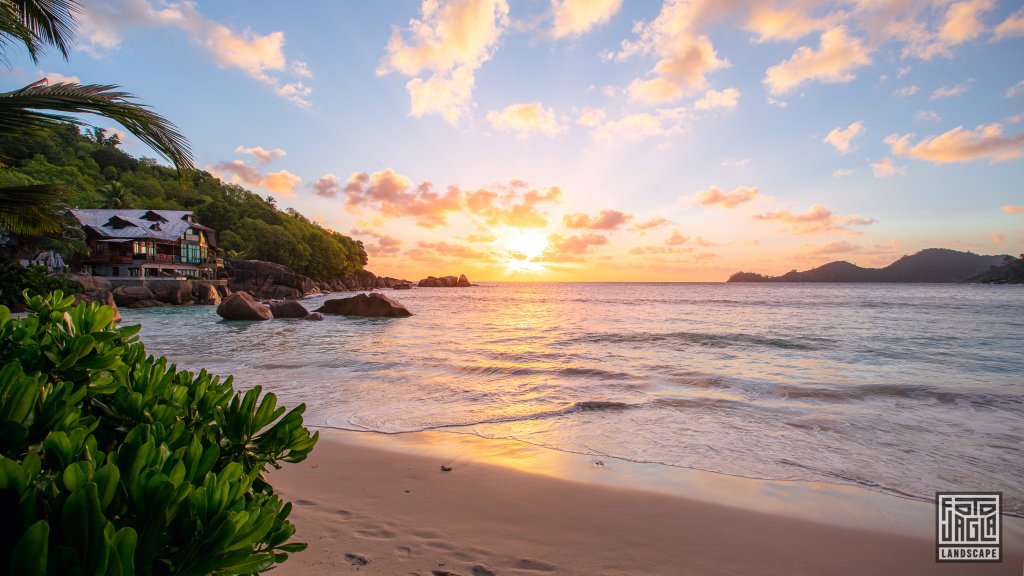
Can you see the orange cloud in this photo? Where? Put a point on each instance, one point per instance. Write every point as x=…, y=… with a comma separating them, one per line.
x=282, y=182
x=714, y=196
x=838, y=54
x=649, y=224
x=567, y=249
x=385, y=245
x=788, y=23
x=676, y=239
x=640, y=126
x=960, y=145
x=997, y=238
x=525, y=120
x=450, y=42
x=434, y=250
x=963, y=22
x=591, y=117
x=817, y=220
x=1012, y=27
x=605, y=220
x=395, y=196
x=840, y=138
x=1011, y=209
x=576, y=17
x=885, y=168
x=327, y=186
x=951, y=91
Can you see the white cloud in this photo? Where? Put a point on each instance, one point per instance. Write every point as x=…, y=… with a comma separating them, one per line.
x=927, y=116
x=842, y=173
x=591, y=117
x=643, y=125
x=960, y=145
x=951, y=91
x=1015, y=90
x=525, y=119
x=840, y=137
x=262, y=154
x=885, y=168
x=838, y=54
x=576, y=17
x=727, y=99
x=907, y=91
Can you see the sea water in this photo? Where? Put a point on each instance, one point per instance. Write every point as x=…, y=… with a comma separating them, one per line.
x=900, y=388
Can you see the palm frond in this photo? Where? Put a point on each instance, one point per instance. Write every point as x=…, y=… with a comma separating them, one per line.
x=37, y=24
x=31, y=210
x=23, y=109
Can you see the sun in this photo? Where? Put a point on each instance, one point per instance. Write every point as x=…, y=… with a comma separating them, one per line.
x=523, y=246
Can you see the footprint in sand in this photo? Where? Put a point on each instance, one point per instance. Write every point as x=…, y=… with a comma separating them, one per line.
x=376, y=533
x=301, y=502
x=535, y=565
x=404, y=551
x=357, y=559
x=481, y=570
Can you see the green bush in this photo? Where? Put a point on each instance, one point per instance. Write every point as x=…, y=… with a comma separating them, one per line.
x=113, y=462
x=15, y=278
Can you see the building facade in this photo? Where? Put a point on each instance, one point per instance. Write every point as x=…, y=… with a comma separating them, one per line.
x=128, y=243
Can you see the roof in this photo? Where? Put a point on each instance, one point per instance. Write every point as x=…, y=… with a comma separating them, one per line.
x=167, y=225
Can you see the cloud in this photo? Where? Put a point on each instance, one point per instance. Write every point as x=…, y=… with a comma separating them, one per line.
x=263, y=155
x=260, y=56
x=1012, y=27
x=57, y=77
x=840, y=138
x=963, y=21
x=643, y=125
x=328, y=186
x=395, y=196
x=838, y=54
x=772, y=23
x=525, y=120
x=481, y=238
x=567, y=249
x=1011, y=209
x=835, y=247
x=446, y=46
x=676, y=239
x=735, y=162
x=605, y=220
x=727, y=99
x=385, y=245
x=997, y=238
x=576, y=17
x=1015, y=90
x=301, y=69
x=281, y=182
x=927, y=116
x=649, y=224
x=951, y=91
x=432, y=250
x=885, y=168
x=817, y=220
x=591, y=117
x=960, y=145
x=842, y=173
x=907, y=91
x=714, y=196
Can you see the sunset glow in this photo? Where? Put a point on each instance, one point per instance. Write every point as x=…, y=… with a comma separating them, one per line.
x=565, y=140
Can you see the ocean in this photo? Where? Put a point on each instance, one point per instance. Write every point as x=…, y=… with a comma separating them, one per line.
x=899, y=388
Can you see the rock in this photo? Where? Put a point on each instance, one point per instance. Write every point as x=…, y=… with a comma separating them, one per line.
x=326, y=287
x=92, y=282
x=463, y=281
x=373, y=305
x=313, y=316
x=403, y=286
x=242, y=306
x=176, y=292
x=445, y=282
x=205, y=293
x=100, y=296
x=288, y=309
x=133, y=296
x=268, y=280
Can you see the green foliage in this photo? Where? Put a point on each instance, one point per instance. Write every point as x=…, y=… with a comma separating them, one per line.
x=15, y=279
x=88, y=164
x=113, y=462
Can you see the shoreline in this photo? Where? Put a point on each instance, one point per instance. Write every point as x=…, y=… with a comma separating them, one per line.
x=508, y=507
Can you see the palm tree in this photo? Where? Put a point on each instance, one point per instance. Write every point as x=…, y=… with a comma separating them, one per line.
x=37, y=24
x=116, y=195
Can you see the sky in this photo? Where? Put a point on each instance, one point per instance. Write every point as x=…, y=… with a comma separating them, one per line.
x=592, y=140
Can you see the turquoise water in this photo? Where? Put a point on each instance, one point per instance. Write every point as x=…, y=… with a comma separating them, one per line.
x=906, y=389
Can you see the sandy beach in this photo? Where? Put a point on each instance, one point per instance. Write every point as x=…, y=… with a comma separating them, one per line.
x=373, y=505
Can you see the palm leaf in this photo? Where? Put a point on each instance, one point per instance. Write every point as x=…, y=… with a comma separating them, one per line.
x=37, y=24
x=23, y=109
x=31, y=210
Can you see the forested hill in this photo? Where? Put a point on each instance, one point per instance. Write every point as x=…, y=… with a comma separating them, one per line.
x=247, y=225
x=929, y=265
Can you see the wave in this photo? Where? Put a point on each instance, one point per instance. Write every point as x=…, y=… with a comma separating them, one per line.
x=571, y=372
x=708, y=339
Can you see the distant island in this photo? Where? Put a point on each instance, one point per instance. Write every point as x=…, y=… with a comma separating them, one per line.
x=932, y=265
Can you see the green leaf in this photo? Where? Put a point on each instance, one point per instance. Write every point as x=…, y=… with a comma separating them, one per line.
x=30, y=553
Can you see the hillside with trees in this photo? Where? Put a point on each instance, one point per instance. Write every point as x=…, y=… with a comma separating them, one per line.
x=96, y=173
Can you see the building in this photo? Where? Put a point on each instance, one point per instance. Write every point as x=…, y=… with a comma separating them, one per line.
x=130, y=243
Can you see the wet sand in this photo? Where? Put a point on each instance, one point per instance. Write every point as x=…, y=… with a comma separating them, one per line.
x=372, y=505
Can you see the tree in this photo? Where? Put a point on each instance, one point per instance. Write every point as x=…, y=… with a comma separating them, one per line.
x=37, y=24
x=115, y=195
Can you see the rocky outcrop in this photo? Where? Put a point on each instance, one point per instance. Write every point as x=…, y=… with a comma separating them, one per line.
x=268, y=280
x=92, y=282
x=136, y=297
x=101, y=297
x=242, y=306
x=445, y=282
x=372, y=305
x=364, y=280
x=288, y=309
x=175, y=293
x=205, y=293
x=403, y=286
x=314, y=316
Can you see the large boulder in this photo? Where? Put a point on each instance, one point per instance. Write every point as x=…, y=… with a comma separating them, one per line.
x=463, y=282
x=268, y=280
x=135, y=297
x=173, y=292
x=92, y=282
x=403, y=286
x=445, y=282
x=242, y=306
x=205, y=293
x=314, y=316
x=288, y=309
x=102, y=297
x=373, y=305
